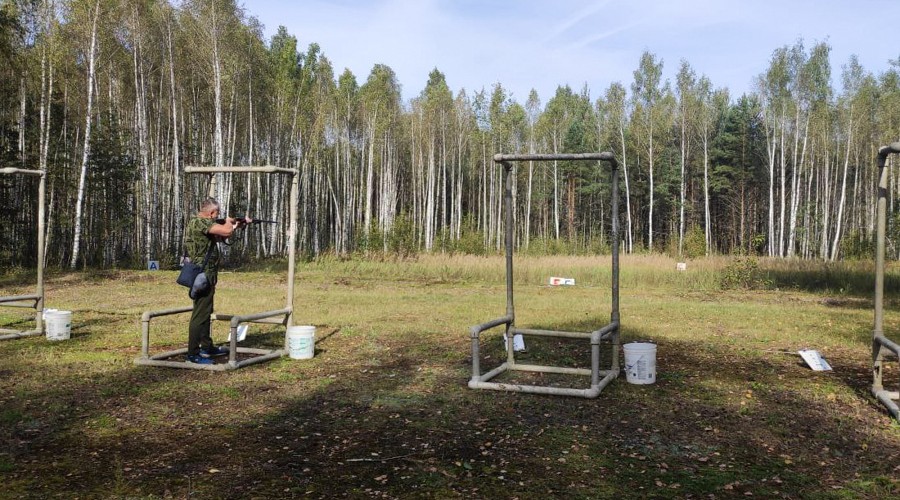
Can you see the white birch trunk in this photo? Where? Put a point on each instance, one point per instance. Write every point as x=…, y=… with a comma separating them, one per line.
x=23, y=99
x=630, y=234
x=86, y=153
x=838, y=222
x=771, y=147
x=650, y=217
x=681, y=204
x=707, y=220
x=176, y=147
x=555, y=188
x=795, y=191
x=782, y=193
x=370, y=176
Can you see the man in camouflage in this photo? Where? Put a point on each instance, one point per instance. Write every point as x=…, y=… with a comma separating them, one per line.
x=202, y=235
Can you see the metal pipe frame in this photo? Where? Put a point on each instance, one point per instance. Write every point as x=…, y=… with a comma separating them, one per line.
x=38, y=296
x=608, y=333
x=266, y=317
x=881, y=345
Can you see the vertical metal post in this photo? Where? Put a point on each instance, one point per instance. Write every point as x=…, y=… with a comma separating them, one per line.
x=42, y=195
x=510, y=307
x=880, y=232
x=608, y=332
x=614, y=242
x=232, y=344
x=145, y=336
x=292, y=252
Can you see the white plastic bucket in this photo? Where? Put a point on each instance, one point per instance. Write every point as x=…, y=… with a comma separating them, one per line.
x=640, y=362
x=301, y=342
x=59, y=324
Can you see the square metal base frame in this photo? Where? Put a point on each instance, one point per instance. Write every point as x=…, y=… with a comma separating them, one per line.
x=37, y=298
x=163, y=359
x=608, y=334
x=268, y=317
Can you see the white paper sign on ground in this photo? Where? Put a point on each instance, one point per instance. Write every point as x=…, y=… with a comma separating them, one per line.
x=518, y=342
x=814, y=360
x=681, y=266
x=241, y=333
x=555, y=281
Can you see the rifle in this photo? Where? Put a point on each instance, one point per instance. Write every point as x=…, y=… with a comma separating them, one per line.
x=244, y=218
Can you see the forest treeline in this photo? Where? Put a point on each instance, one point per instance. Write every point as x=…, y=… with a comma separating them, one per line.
x=114, y=98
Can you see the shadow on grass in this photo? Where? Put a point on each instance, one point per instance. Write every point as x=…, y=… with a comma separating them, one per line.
x=834, y=279
x=717, y=422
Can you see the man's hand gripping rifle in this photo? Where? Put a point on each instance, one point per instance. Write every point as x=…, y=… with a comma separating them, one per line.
x=241, y=221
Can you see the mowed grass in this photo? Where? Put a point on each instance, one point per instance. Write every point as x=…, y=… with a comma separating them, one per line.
x=383, y=409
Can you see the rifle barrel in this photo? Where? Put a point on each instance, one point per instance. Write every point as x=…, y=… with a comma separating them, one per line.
x=255, y=221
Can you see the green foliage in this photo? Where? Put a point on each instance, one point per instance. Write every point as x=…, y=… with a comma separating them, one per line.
x=758, y=243
x=401, y=239
x=371, y=241
x=857, y=246
x=112, y=172
x=742, y=273
x=470, y=241
x=399, y=242
x=694, y=243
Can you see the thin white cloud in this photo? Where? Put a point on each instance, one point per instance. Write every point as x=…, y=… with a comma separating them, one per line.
x=525, y=44
x=602, y=36
x=580, y=16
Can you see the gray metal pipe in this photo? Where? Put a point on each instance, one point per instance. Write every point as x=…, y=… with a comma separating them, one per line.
x=605, y=332
x=879, y=341
x=477, y=329
x=165, y=312
x=551, y=333
x=263, y=317
x=292, y=252
x=508, y=243
x=888, y=402
x=267, y=321
x=236, y=320
x=13, y=298
x=240, y=170
x=26, y=171
x=608, y=332
x=475, y=333
x=551, y=369
x=39, y=288
x=38, y=297
x=605, y=156
x=145, y=327
x=15, y=334
x=887, y=343
x=591, y=393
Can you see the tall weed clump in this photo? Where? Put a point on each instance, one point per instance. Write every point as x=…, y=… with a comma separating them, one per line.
x=694, y=243
x=742, y=273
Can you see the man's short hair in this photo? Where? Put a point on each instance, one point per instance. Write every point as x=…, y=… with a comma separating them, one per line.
x=208, y=204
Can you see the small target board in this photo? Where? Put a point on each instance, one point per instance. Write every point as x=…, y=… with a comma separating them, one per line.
x=556, y=281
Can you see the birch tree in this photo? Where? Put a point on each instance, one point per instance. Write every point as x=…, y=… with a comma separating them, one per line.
x=91, y=56
x=686, y=83
x=647, y=94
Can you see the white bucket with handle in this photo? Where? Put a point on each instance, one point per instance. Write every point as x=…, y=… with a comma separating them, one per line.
x=640, y=362
x=301, y=341
x=58, y=324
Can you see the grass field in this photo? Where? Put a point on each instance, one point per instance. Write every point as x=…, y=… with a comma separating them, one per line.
x=383, y=409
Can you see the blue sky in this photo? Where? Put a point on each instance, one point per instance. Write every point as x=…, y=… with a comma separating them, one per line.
x=540, y=44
